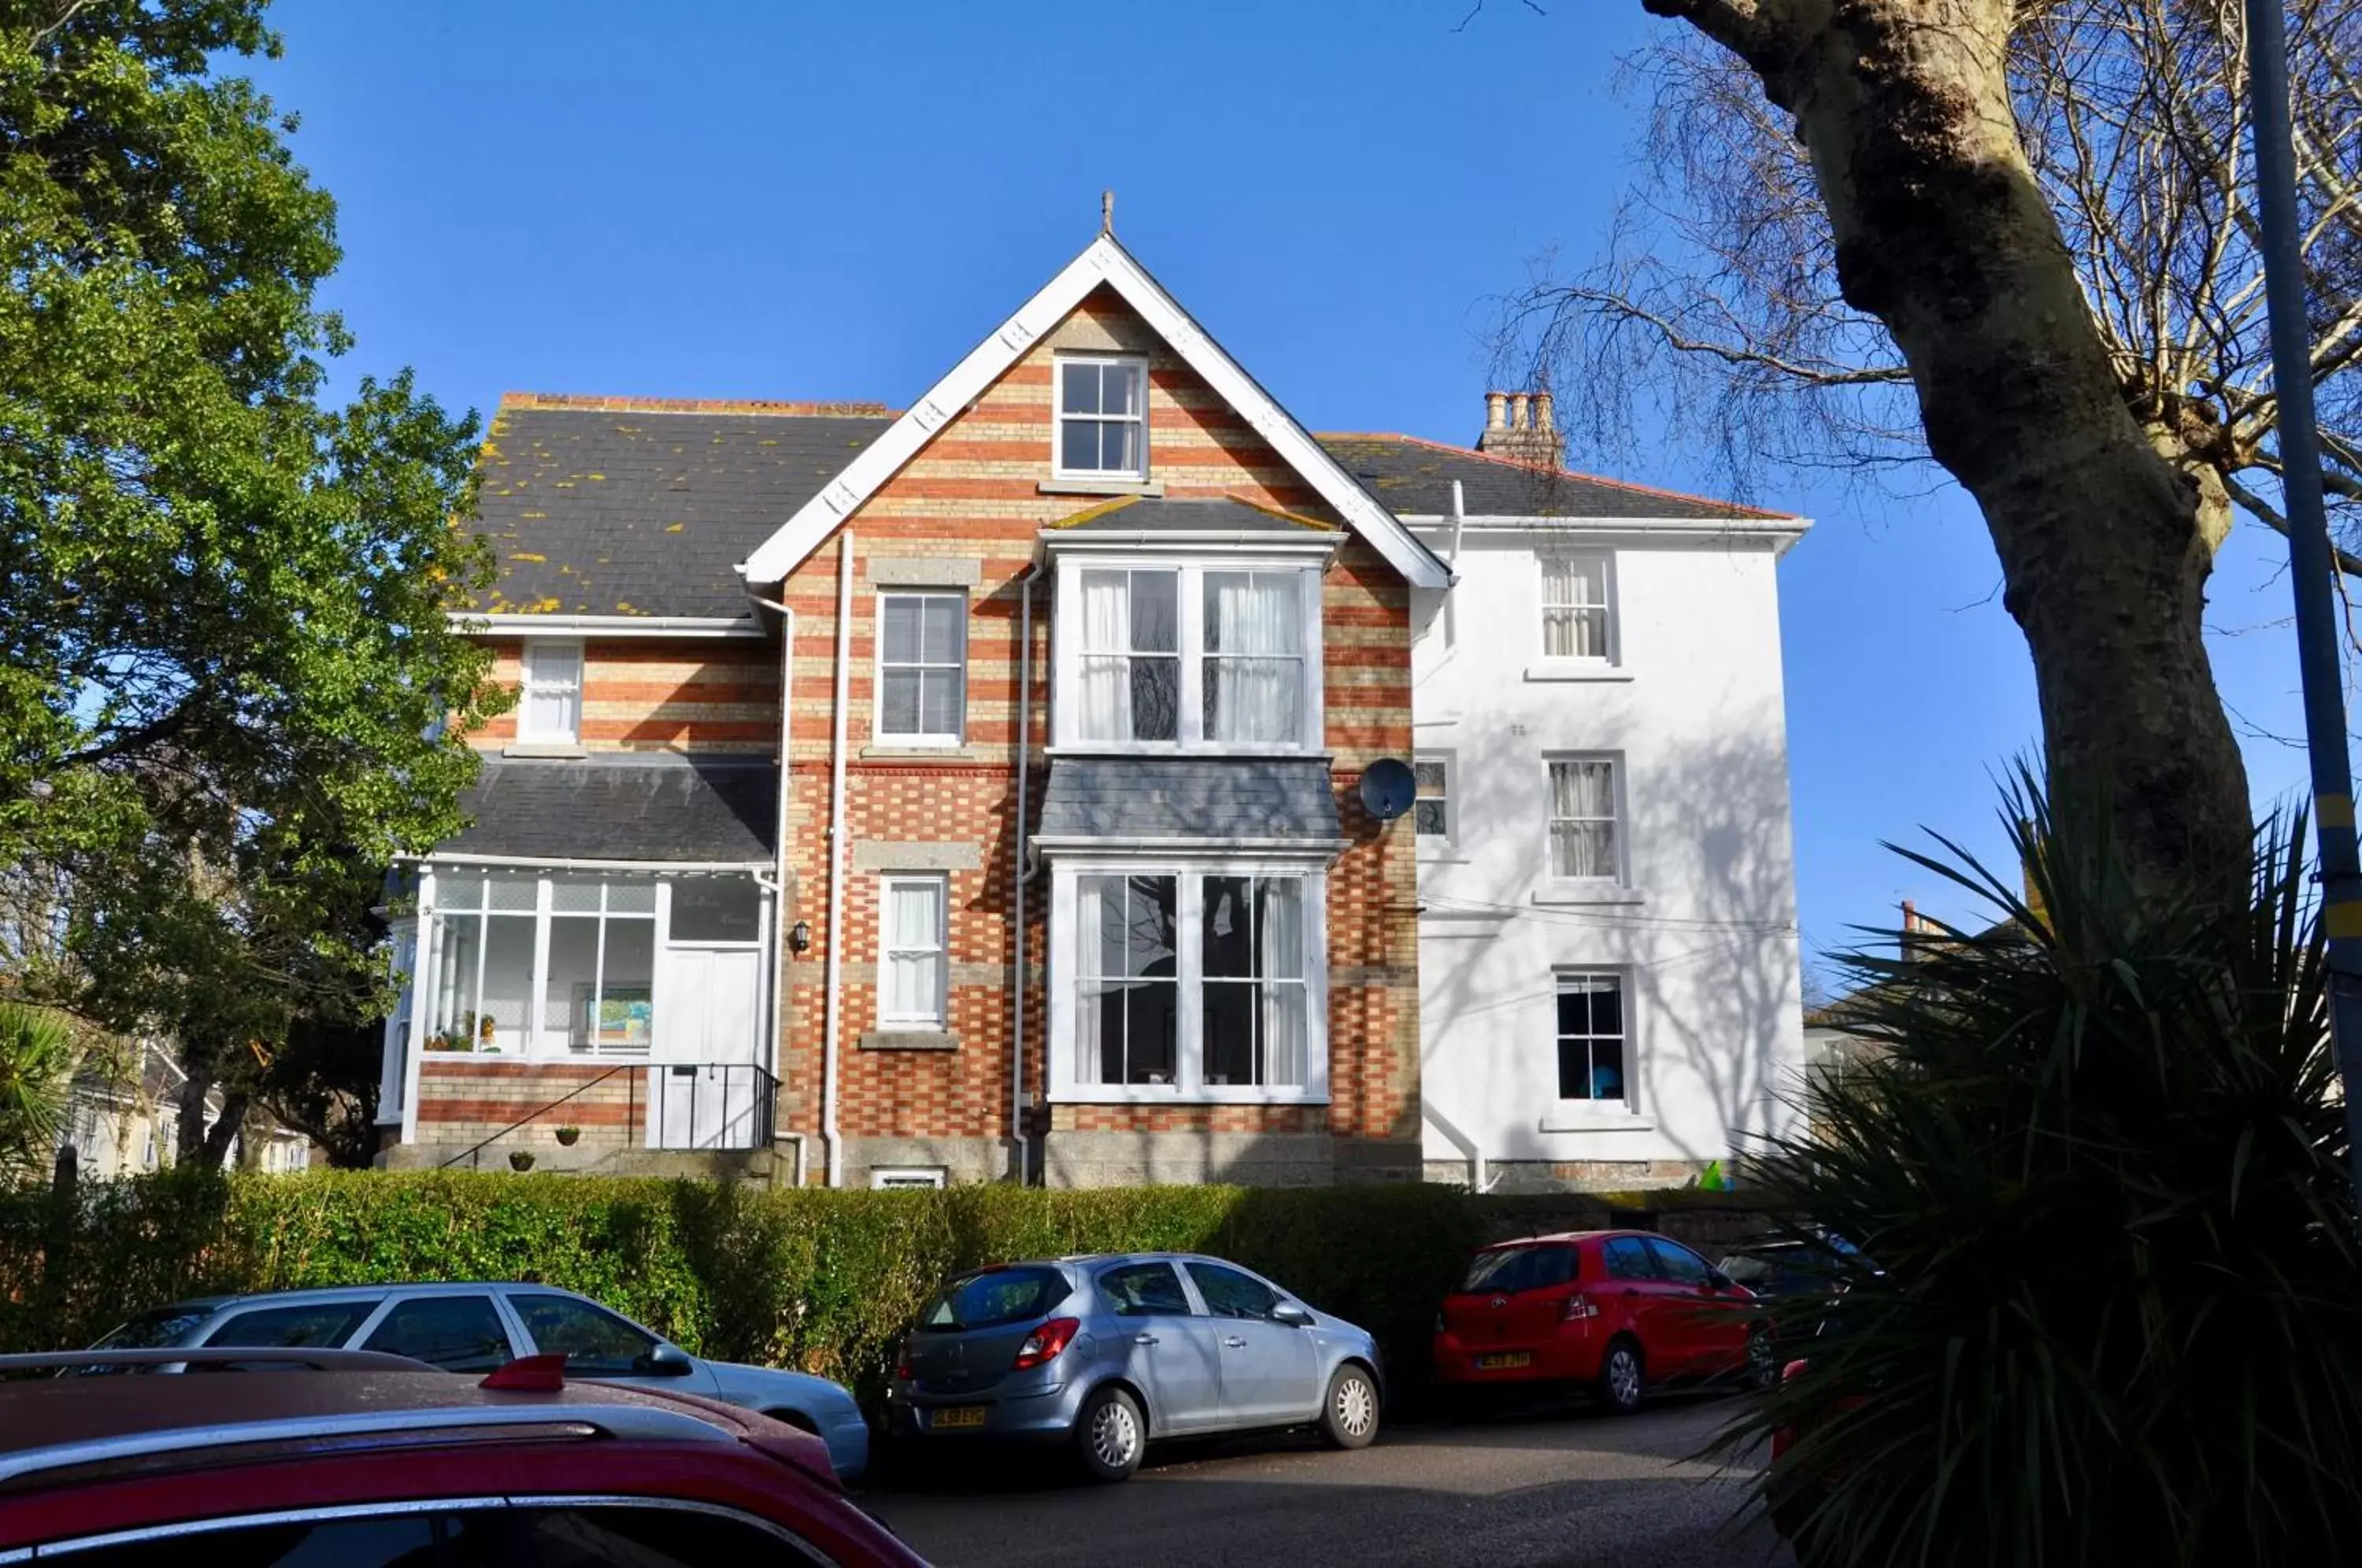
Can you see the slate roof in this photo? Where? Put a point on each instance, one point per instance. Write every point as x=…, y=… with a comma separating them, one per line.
x=1136, y=798
x=1190, y=515
x=617, y=506
x=704, y=809
x=1412, y=478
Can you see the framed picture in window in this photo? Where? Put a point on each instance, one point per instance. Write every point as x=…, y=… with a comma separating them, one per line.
x=624, y=1016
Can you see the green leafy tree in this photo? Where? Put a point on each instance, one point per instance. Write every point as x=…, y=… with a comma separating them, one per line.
x=228, y=668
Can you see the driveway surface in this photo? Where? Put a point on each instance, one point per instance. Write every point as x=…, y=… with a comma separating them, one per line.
x=1561, y=1486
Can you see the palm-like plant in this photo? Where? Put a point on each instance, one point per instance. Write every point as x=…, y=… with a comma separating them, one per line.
x=37, y=1056
x=2115, y=1311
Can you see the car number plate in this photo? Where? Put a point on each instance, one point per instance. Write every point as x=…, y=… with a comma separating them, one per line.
x=1508, y=1359
x=952, y=1418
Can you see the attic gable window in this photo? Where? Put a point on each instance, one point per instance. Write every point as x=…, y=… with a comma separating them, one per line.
x=1102, y=418
x=549, y=707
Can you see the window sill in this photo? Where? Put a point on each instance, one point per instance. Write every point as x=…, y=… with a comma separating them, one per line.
x=907, y=1039
x=1573, y=1120
x=1147, y=1094
x=1548, y=669
x=920, y=751
x=1078, y=485
x=1569, y=893
x=556, y=751
x=1441, y=858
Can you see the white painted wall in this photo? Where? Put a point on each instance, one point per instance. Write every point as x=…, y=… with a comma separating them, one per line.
x=1705, y=932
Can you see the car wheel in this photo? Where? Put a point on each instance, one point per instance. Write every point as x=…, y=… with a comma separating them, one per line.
x=1349, y=1415
x=1109, y=1435
x=1763, y=1367
x=1622, y=1379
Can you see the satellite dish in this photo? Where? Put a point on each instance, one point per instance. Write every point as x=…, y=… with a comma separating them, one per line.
x=1388, y=788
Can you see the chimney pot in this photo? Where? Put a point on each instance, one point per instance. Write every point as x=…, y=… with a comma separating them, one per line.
x=1496, y=403
x=1517, y=411
x=1542, y=418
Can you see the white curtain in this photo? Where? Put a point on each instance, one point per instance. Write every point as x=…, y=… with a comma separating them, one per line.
x=1279, y=926
x=914, y=952
x=1106, y=694
x=1255, y=668
x=1575, y=607
x=1583, y=819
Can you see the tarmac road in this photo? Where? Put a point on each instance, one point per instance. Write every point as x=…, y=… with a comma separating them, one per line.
x=1563, y=1486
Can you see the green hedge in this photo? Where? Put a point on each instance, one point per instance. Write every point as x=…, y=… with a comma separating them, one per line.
x=822, y=1280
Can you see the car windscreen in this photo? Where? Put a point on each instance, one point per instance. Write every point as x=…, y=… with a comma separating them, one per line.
x=155, y=1330
x=1520, y=1268
x=994, y=1298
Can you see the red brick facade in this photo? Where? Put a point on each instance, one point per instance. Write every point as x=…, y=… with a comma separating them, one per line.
x=973, y=497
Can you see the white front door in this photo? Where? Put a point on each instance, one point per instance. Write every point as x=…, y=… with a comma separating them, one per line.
x=702, y=1096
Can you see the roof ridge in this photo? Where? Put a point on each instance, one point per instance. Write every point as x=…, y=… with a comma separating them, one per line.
x=1549, y=470
x=596, y=402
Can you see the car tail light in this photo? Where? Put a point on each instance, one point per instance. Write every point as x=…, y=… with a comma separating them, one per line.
x=1047, y=1343
x=1793, y=1369
x=1579, y=1307
x=902, y=1367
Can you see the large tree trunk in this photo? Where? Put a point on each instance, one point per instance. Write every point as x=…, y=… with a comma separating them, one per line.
x=1943, y=234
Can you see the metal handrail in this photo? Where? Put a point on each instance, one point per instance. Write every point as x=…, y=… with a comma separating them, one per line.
x=312, y=1359
x=765, y=1103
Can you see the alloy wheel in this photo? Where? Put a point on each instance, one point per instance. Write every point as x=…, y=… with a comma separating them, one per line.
x=1623, y=1376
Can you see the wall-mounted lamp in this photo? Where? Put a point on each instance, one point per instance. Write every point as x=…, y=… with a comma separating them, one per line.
x=799, y=937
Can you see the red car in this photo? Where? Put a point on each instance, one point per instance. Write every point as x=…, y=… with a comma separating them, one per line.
x=1614, y=1310
x=367, y=1461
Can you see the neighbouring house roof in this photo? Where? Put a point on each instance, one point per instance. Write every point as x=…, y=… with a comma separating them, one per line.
x=678, y=808
x=624, y=506
x=1414, y=478
x=1102, y=263
x=1211, y=515
x=1131, y=798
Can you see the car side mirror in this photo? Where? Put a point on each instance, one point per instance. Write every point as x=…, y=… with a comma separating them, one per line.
x=1717, y=1280
x=666, y=1360
x=1289, y=1313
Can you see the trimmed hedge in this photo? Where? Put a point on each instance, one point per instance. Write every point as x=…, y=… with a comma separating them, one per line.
x=826, y=1281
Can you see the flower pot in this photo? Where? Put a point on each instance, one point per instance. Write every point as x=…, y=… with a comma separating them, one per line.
x=567, y=1135
x=520, y=1159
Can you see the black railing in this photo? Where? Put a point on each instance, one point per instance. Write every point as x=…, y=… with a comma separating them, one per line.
x=703, y=1105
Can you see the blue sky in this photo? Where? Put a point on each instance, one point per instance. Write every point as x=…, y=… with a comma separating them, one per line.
x=773, y=198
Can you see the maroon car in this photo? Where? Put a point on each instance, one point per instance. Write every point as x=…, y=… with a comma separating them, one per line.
x=350, y=1460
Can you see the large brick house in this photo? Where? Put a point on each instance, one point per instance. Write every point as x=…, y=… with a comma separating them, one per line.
x=960, y=793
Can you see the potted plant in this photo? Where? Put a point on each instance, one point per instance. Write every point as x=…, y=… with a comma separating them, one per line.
x=484, y=1031
x=520, y=1159
x=567, y=1135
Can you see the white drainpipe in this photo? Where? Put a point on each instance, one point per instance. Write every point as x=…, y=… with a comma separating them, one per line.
x=780, y=882
x=833, y=1144
x=1019, y=872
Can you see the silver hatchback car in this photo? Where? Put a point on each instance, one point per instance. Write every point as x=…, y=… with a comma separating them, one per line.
x=477, y=1326
x=1111, y=1352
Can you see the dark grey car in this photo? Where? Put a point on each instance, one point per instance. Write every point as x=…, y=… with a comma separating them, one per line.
x=1112, y=1352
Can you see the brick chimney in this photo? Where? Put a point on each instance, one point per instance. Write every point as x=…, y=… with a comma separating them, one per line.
x=1522, y=425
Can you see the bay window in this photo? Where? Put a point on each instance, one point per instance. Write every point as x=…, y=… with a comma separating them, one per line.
x=1178, y=984
x=1189, y=658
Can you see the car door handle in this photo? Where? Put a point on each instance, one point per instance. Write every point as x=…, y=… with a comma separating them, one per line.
x=1143, y=1339
x=1232, y=1341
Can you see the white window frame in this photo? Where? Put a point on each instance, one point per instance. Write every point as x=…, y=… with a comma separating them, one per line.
x=1614, y=624
x=437, y=916
x=939, y=884
x=529, y=682
x=1066, y=706
x=884, y=1177
x=1189, y=1087
x=1620, y=876
x=1450, y=836
x=880, y=733
x=1138, y=365
x=1629, y=1104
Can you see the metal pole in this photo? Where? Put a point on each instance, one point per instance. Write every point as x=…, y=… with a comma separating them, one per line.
x=2309, y=555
